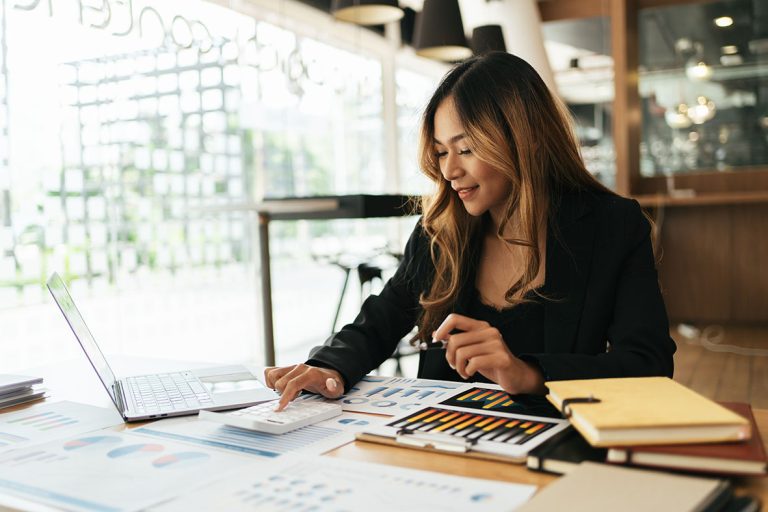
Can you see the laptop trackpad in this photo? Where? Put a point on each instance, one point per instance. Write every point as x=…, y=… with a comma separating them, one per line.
x=233, y=384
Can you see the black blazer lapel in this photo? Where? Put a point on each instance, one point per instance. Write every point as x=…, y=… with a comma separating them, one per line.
x=570, y=243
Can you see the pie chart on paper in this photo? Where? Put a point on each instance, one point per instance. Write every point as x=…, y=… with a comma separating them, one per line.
x=180, y=459
x=135, y=450
x=88, y=442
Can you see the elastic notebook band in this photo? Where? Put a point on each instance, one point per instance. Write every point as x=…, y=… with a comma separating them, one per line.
x=577, y=400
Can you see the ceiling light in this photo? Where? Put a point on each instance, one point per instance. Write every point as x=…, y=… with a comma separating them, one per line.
x=730, y=49
x=702, y=111
x=677, y=117
x=724, y=21
x=366, y=12
x=439, y=32
x=488, y=38
x=698, y=70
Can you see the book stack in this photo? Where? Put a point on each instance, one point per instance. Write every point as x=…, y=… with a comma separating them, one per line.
x=651, y=422
x=18, y=389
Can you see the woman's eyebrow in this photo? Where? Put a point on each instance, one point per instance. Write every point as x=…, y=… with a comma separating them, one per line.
x=453, y=139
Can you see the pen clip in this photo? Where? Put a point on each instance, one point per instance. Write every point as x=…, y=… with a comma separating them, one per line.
x=442, y=442
x=565, y=405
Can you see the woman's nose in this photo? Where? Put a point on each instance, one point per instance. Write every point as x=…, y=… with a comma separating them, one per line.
x=451, y=167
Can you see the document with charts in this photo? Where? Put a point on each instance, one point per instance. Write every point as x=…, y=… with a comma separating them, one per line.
x=329, y=484
x=310, y=440
x=111, y=471
x=48, y=421
x=392, y=395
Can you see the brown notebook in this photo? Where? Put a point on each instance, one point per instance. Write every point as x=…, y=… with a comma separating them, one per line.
x=644, y=411
x=735, y=458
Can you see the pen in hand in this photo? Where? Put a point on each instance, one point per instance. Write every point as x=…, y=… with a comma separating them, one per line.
x=432, y=345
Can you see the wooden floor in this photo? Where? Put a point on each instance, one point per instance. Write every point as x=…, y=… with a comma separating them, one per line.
x=724, y=375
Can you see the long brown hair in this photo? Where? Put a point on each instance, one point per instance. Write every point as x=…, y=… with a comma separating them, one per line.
x=514, y=124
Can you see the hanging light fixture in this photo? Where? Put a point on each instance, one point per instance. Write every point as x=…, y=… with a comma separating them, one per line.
x=698, y=70
x=702, y=111
x=439, y=32
x=677, y=117
x=488, y=38
x=366, y=12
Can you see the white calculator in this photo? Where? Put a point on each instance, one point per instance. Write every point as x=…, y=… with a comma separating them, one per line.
x=263, y=418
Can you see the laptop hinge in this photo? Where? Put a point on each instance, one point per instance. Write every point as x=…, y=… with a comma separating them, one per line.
x=119, y=397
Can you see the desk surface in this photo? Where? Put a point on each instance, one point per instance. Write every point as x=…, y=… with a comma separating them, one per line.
x=74, y=380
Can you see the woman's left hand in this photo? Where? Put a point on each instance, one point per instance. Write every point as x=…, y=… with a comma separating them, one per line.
x=480, y=348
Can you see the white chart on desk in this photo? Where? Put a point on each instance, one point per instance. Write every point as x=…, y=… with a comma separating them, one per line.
x=323, y=484
x=393, y=395
x=310, y=440
x=110, y=471
x=48, y=421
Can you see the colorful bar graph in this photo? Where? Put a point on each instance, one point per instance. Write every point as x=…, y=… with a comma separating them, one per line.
x=471, y=425
x=485, y=399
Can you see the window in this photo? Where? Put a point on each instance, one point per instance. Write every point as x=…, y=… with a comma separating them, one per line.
x=132, y=141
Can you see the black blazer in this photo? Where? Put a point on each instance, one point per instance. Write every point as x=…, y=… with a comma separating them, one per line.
x=605, y=316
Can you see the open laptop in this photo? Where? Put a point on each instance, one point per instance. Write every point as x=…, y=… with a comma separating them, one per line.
x=145, y=397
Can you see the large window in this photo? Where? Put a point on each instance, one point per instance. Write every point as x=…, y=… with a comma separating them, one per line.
x=579, y=53
x=133, y=136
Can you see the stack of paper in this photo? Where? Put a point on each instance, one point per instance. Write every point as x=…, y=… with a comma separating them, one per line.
x=17, y=389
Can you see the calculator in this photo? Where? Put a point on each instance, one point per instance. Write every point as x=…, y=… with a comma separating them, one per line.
x=263, y=418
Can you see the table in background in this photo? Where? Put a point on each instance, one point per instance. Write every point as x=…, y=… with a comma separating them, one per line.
x=360, y=206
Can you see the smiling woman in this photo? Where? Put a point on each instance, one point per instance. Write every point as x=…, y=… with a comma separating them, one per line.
x=523, y=264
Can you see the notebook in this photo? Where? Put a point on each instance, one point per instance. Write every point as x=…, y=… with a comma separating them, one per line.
x=733, y=458
x=595, y=487
x=644, y=411
x=181, y=393
x=488, y=434
x=563, y=453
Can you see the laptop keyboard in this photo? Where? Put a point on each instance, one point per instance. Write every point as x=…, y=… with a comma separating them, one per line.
x=167, y=392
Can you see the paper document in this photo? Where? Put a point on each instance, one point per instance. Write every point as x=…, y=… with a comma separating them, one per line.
x=392, y=395
x=310, y=440
x=330, y=484
x=49, y=421
x=111, y=471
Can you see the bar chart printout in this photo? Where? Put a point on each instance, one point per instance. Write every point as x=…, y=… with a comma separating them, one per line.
x=474, y=427
x=393, y=395
x=486, y=400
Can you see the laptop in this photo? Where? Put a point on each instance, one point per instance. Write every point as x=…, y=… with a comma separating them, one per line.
x=145, y=397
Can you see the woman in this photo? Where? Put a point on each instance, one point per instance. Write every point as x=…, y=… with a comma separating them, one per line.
x=522, y=262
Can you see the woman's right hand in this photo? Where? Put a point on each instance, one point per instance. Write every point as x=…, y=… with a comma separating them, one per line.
x=289, y=381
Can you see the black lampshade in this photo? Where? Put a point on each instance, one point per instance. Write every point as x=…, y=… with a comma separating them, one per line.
x=439, y=32
x=366, y=12
x=488, y=38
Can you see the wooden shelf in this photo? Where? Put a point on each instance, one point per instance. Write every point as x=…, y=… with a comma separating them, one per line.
x=707, y=199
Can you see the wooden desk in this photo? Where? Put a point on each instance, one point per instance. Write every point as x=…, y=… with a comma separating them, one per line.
x=71, y=381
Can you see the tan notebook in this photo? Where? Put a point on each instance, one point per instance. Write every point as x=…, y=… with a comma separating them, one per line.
x=643, y=411
x=592, y=487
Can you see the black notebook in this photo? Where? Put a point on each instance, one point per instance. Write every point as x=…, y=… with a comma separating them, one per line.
x=563, y=453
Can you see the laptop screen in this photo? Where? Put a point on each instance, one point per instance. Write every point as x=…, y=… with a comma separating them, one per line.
x=82, y=333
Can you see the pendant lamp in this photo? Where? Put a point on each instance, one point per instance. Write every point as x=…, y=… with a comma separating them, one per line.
x=488, y=38
x=366, y=12
x=439, y=32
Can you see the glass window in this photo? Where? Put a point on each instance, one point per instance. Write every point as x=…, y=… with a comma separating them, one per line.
x=130, y=140
x=579, y=53
x=703, y=87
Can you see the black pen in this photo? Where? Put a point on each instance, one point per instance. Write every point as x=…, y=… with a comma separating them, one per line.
x=433, y=345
